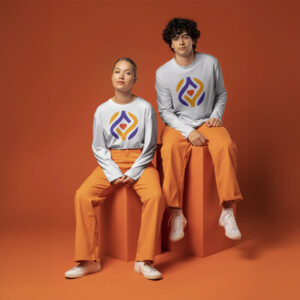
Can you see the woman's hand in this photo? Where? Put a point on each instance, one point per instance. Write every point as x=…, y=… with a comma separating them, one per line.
x=197, y=139
x=127, y=180
x=124, y=179
x=214, y=122
x=118, y=180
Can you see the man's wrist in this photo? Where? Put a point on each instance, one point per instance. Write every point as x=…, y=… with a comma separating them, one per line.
x=189, y=132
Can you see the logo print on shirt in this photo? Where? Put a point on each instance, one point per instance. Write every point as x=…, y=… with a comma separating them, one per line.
x=123, y=123
x=190, y=91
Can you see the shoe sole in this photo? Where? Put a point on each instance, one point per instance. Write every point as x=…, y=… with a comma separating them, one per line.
x=176, y=239
x=149, y=277
x=76, y=276
x=153, y=278
x=229, y=236
x=136, y=269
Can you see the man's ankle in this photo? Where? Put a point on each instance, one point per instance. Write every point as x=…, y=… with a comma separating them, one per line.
x=228, y=204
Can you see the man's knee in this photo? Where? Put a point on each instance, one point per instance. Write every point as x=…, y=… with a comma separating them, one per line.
x=225, y=144
x=170, y=146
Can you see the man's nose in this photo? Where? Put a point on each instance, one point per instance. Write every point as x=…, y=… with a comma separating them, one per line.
x=181, y=40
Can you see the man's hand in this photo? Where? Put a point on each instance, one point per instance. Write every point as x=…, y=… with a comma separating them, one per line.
x=214, y=122
x=197, y=139
x=127, y=180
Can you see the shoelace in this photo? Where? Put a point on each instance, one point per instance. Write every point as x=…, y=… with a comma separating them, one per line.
x=80, y=265
x=150, y=268
x=174, y=220
x=230, y=219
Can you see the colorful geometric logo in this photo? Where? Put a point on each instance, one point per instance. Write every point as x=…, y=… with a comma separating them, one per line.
x=190, y=91
x=122, y=124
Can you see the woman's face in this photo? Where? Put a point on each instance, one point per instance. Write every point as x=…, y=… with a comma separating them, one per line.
x=123, y=76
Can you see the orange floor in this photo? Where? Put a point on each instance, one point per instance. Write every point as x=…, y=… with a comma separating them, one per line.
x=264, y=265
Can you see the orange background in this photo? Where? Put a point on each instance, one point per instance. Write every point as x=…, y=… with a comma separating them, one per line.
x=56, y=62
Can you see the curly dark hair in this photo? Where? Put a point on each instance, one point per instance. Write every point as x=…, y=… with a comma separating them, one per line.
x=177, y=26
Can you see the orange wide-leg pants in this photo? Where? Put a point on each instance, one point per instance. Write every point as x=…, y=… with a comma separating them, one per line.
x=95, y=190
x=176, y=151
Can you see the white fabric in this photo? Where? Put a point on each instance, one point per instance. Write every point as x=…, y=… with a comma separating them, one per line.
x=188, y=96
x=128, y=126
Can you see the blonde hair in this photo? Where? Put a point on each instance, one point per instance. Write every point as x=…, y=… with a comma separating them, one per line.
x=129, y=60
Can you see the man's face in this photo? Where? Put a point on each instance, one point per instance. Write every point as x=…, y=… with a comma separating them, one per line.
x=182, y=44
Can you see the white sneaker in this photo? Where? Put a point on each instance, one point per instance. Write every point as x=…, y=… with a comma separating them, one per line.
x=177, y=222
x=227, y=220
x=147, y=270
x=83, y=268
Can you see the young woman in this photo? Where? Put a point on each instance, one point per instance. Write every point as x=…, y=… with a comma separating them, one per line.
x=124, y=143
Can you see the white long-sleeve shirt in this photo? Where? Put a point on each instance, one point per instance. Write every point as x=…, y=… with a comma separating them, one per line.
x=124, y=126
x=188, y=96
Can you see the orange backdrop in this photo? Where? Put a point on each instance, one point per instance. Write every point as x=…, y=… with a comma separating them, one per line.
x=56, y=62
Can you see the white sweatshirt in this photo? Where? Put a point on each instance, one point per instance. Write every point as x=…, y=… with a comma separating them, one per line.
x=124, y=126
x=188, y=96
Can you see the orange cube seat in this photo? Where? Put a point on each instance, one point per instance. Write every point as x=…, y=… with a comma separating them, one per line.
x=120, y=219
x=203, y=235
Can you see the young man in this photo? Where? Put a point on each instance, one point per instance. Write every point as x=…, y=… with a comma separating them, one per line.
x=191, y=99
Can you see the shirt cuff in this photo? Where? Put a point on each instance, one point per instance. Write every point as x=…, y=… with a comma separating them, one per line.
x=187, y=132
x=135, y=173
x=112, y=177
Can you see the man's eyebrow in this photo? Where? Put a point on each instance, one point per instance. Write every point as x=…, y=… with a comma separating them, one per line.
x=179, y=34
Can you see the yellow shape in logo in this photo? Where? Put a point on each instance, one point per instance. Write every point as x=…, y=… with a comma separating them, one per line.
x=124, y=134
x=179, y=85
x=113, y=117
x=193, y=100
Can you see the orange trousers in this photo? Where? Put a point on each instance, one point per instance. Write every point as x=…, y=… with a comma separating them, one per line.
x=95, y=190
x=176, y=151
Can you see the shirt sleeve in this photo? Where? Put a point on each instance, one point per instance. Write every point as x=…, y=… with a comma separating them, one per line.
x=150, y=141
x=166, y=110
x=102, y=154
x=220, y=93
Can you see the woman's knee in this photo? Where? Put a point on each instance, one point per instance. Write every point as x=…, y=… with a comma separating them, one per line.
x=157, y=198
x=82, y=196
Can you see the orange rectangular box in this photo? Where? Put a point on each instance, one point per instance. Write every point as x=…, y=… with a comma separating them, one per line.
x=203, y=235
x=120, y=219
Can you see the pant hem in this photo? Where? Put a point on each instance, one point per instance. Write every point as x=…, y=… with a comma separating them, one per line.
x=143, y=259
x=237, y=199
x=174, y=206
x=86, y=259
